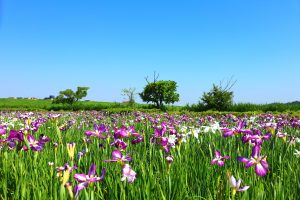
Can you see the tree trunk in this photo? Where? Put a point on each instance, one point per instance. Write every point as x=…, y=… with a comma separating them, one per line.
x=157, y=104
x=160, y=103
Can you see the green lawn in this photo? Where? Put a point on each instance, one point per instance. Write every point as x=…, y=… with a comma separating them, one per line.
x=46, y=105
x=39, y=104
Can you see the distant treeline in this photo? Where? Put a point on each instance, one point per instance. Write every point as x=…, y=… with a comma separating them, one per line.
x=46, y=105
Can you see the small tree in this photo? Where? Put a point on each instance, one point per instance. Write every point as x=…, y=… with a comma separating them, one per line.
x=218, y=98
x=130, y=93
x=68, y=96
x=160, y=92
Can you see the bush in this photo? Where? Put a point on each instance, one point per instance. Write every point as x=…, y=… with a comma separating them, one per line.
x=68, y=96
x=217, y=99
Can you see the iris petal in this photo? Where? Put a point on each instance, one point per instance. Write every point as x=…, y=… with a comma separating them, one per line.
x=260, y=170
x=92, y=170
x=80, y=177
x=243, y=159
x=116, y=154
x=232, y=181
x=243, y=189
x=217, y=153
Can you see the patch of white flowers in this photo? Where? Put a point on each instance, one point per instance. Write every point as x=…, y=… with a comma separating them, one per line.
x=213, y=128
x=172, y=139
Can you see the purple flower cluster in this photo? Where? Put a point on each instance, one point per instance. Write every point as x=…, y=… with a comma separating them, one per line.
x=24, y=142
x=256, y=137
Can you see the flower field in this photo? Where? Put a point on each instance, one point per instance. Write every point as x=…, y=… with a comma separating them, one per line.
x=97, y=155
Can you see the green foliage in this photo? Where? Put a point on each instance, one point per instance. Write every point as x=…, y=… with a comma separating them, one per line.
x=68, y=96
x=160, y=92
x=81, y=92
x=199, y=107
x=217, y=99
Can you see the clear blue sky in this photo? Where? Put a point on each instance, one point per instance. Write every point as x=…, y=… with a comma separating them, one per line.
x=47, y=46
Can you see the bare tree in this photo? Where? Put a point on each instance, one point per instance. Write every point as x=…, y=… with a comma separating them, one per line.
x=130, y=93
x=155, y=77
x=229, y=84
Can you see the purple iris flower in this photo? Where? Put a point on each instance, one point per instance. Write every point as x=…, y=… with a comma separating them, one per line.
x=139, y=138
x=256, y=138
x=36, y=124
x=119, y=144
x=158, y=138
x=158, y=133
x=123, y=132
x=84, y=180
x=11, y=144
x=119, y=157
x=236, y=185
x=128, y=173
x=219, y=160
x=236, y=130
x=43, y=139
x=99, y=131
x=15, y=135
x=172, y=130
x=260, y=162
x=2, y=130
x=282, y=135
x=36, y=145
x=167, y=143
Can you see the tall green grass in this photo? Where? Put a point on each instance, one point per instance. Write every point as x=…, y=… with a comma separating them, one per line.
x=27, y=175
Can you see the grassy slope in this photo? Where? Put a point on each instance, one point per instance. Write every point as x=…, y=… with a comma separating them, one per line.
x=6, y=103
x=28, y=104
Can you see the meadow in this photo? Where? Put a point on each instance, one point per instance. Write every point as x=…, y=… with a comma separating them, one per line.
x=47, y=105
x=117, y=107
x=137, y=155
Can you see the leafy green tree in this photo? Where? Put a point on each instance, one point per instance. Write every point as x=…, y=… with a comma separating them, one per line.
x=68, y=96
x=160, y=92
x=217, y=98
x=130, y=93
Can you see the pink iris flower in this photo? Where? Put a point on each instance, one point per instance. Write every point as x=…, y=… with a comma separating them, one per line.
x=260, y=162
x=219, y=160
x=119, y=157
x=128, y=173
x=86, y=179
